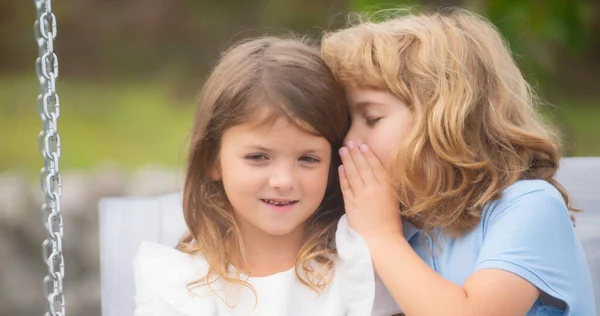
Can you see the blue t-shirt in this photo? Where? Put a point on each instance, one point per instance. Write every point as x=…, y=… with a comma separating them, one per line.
x=528, y=232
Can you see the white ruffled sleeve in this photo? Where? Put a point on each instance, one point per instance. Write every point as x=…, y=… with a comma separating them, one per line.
x=354, y=280
x=162, y=276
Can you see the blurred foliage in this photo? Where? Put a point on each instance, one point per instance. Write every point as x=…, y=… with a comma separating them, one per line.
x=537, y=31
x=103, y=39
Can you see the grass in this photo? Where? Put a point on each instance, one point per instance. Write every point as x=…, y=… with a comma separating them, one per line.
x=135, y=124
x=127, y=124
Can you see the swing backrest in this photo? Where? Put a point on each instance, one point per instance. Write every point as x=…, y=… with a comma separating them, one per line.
x=126, y=222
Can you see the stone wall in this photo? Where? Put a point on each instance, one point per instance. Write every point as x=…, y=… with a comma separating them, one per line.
x=21, y=234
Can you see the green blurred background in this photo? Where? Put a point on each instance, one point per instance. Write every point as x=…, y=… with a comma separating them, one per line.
x=129, y=70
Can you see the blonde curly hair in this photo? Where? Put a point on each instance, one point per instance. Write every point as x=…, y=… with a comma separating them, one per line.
x=476, y=128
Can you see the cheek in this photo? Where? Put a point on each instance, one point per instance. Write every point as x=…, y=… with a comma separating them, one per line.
x=378, y=140
x=383, y=139
x=393, y=132
x=236, y=185
x=381, y=147
x=315, y=183
x=242, y=192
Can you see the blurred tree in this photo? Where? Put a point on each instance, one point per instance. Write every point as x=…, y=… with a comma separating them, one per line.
x=111, y=38
x=108, y=38
x=541, y=33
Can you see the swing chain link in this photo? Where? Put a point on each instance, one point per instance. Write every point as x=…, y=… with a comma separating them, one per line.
x=46, y=66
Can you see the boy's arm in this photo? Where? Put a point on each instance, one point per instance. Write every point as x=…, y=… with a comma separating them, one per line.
x=419, y=290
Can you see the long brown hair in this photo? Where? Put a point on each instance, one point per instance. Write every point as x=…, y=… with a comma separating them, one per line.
x=289, y=77
x=476, y=128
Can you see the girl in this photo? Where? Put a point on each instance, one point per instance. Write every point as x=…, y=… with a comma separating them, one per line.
x=439, y=108
x=261, y=198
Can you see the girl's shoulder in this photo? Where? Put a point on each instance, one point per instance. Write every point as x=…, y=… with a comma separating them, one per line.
x=163, y=276
x=153, y=260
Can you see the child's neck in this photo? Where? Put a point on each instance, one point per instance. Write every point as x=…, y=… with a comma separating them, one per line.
x=268, y=254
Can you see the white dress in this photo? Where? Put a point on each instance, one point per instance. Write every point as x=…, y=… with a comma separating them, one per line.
x=162, y=275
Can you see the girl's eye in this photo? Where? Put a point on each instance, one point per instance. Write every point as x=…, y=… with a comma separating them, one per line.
x=371, y=121
x=257, y=157
x=309, y=159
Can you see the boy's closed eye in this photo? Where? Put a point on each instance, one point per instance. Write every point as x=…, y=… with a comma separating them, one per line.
x=371, y=121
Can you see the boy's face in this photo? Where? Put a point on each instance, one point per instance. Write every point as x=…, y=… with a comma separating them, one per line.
x=274, y=175
x=379, y=120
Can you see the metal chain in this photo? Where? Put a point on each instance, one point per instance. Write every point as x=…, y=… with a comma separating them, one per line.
x=46, y=66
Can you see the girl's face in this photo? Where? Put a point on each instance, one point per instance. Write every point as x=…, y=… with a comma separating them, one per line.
x=379, y=120
x=274, y=175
